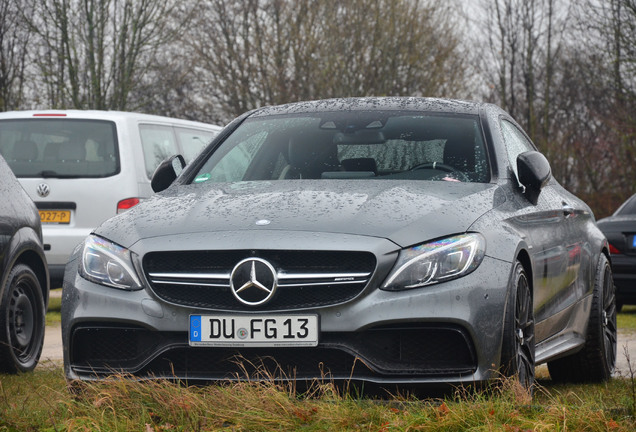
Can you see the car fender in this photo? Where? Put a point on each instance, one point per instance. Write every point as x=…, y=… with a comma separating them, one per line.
x=26, y=246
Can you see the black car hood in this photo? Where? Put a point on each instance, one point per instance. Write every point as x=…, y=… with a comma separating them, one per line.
x=405, y=212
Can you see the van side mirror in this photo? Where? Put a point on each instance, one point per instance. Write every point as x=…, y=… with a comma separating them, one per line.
x=534, y=173
x=167, y=172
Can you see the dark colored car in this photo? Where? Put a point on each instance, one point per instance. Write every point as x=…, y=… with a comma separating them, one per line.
x=620, y=230
x=395, y=241
x=24, y=278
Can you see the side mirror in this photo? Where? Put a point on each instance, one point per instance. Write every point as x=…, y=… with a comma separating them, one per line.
x=167, y=172
x=534, y=172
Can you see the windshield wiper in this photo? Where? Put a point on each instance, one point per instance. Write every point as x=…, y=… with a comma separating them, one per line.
x=51, y=174
x=48, y=173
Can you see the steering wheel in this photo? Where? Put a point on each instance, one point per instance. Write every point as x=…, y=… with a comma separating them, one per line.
x=442, y=167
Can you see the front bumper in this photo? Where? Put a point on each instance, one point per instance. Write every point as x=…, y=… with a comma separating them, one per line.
x=446, y=333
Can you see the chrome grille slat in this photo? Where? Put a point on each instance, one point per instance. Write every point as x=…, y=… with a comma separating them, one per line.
x=191, y=275
x=283, y=276
x=313, y=284
x=175, y=282
x=309, y=279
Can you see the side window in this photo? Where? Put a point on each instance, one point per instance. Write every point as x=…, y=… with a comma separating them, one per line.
x=232, y=166
x=192, y=141
x=516, y=143
x=158, y=143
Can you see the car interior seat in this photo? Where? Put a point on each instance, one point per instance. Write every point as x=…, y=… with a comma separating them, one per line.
x=51, y=151
x=460, y=154
x=25, y=151
x=72, y=152
x=309, y=156
x=360, y=164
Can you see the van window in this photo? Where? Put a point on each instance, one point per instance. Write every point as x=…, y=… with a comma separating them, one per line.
x=192, y=141
x=65, y=148
x=160, y=142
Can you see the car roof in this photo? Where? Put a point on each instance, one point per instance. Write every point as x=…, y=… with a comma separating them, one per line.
x=102, y=115
x=393, y=103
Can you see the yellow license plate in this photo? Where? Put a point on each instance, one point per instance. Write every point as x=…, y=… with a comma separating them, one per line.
x=55, y=216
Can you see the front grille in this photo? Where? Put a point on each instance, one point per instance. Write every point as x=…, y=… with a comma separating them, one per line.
x=412, y=350
x=306, y=279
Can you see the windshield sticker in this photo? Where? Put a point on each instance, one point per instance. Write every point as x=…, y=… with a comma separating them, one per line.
x=202, y=178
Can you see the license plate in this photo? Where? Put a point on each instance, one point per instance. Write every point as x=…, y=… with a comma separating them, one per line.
x=254, y=330
x=55, y=216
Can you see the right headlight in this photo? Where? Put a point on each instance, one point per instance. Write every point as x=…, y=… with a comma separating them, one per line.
x=107, y=263
x=437, y=261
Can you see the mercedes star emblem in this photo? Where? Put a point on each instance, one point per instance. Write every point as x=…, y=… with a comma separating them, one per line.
x=253, y=281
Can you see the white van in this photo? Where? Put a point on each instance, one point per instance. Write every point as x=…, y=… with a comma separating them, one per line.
x=82, y=167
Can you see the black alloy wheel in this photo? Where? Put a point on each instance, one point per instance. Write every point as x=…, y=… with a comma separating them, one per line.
x=597, y=360
x=22, y=321
x=517, y=353
x=609, y=327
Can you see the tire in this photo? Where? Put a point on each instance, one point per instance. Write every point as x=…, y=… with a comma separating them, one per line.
x=596, y=361
x=517, y=350
x=22, y=321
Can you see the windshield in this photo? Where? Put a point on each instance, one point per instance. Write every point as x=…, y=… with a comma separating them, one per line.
x=59, y=147
x=351, y=145
x=628, y=207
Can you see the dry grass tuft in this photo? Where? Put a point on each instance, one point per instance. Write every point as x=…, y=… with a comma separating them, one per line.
x=39, y=401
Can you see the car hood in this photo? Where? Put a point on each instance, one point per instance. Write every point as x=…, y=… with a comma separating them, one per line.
x=405, y=212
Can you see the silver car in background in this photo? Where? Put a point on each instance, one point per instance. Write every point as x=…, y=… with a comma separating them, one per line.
x=82, y=167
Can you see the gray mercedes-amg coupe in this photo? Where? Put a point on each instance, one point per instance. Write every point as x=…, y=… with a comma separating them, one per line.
x=394, y=241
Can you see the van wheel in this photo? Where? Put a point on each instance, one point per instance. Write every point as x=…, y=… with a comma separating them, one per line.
x=517, y=351
x=21, y=321
x=596, y=361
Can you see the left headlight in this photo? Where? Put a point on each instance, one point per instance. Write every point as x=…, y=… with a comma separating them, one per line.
x=109, y=264
x=437, y=261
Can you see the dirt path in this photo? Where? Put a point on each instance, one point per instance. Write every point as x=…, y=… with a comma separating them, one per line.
x=626, y=353
x=52, y=349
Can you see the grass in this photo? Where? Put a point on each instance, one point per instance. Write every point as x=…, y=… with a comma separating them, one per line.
x=53, y=312
x=40, y=401
x=626, y=320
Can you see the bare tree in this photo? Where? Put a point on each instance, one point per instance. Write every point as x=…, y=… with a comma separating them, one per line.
x=256, y=52
x=526, y=62
x=607, y=48
x=566, y=71
x=93, y=53
x=525, y=40
x=14, y=44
